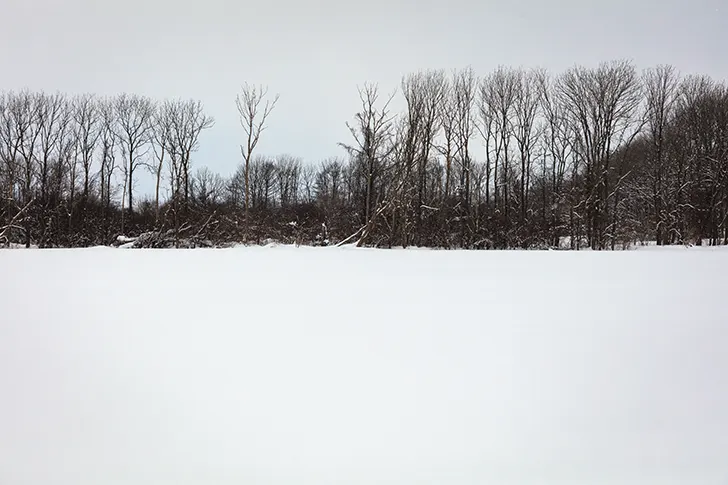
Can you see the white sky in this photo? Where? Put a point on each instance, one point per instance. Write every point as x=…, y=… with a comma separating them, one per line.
x=315, y=53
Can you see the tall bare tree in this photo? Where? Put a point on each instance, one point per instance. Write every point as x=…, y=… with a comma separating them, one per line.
x=464, y=95
x=448, y=118
x=254, y=107
x=177, y=129
x=87, y=121
x=501, y=92
x=133, y=116
x=53, y=118
x=161, y=131
x=186, y=121
x=487, y=128
x=9, y=153
x=409, y=141
x=434, y=88
x=557, y=159
x=526, y=133
x=108, y=141
x=661, y=91
x=602, y=105
x=372, y=133
x=25, y=114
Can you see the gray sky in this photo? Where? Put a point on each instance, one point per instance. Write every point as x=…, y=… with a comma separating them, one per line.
x=315, y=53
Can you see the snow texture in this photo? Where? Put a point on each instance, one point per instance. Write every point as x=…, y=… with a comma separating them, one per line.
x=322, y=366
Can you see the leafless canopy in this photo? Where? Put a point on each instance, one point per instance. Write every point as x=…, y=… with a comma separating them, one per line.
x=254, y=107
x=601, y=157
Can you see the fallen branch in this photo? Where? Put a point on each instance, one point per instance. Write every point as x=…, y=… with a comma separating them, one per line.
x=202, y=228
x=12, y=224
x=351, y=237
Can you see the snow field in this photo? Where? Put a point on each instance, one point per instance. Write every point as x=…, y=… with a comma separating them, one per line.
x=328, y=366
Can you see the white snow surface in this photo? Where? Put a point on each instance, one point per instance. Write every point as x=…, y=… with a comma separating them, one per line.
x=287, y=366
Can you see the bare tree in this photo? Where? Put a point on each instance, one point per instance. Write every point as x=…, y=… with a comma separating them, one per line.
x=254, y=107
x=464, y=91
x=108, y=140
x=661, y=91
x=558, y=143
x=87, y=121
x=448, y=117
x=372, y=133
x=176, y=177
x=330, y=183
x=486, y=126
x=67, y=166
x=262, y=182
x=526, y=132
x=703, y=141
x=499, y=92
x=161, y=129
x=184, y=123
x=426, y=93
x=602, y=105
x=308, y=180
x=133, y=116
x=53, y=118
x=410, y=139
x=288, y=171
x=9, y=151
x=176, y=130
x=207, y=187
x=24, y=109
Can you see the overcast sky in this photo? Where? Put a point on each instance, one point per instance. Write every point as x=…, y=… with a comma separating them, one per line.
x=315, y=53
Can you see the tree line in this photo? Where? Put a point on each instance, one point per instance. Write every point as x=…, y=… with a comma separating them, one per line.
x=595, y=157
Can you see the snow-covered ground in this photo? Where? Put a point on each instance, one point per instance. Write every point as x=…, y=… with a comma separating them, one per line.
x=344, y=366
